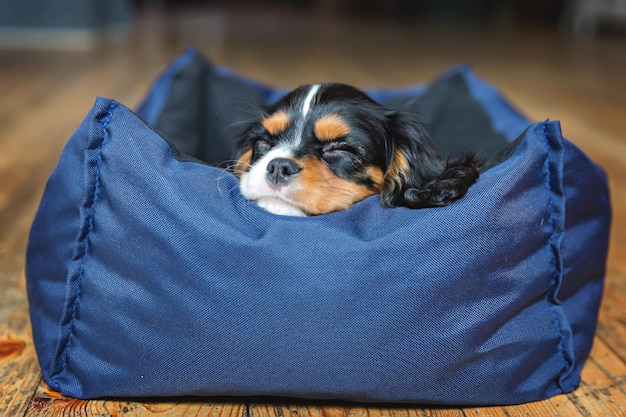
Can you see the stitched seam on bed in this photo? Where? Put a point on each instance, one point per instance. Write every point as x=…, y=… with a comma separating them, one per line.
x=555, y=272
x=86, y=240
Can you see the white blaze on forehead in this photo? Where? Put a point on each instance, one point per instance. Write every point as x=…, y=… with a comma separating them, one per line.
x=306, y=106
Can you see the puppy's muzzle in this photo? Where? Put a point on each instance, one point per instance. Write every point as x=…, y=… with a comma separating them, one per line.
x=280, y=171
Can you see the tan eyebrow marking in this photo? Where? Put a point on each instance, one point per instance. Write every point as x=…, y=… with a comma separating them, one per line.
x=331, y=127
x=276, y=123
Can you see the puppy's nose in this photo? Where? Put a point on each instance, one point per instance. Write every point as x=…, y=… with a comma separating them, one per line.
x=279, y=170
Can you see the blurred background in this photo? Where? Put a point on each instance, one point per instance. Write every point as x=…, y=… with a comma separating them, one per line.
x=74, y=23
x=23, y=21
x=462, y=30
x=289, y=42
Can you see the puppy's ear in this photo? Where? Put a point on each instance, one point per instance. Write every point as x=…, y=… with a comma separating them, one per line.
x=416, y=175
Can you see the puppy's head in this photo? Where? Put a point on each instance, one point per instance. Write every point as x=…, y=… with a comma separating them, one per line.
x=323, y=147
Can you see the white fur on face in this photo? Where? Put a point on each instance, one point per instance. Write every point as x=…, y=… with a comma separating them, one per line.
x=254, y=186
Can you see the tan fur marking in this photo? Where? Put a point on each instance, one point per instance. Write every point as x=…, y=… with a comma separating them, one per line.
x=331, y=127
x=276, y=123
x=398, y=173
x=243, y=164
x=376, y=175
x=320, y=191
x=399, y=169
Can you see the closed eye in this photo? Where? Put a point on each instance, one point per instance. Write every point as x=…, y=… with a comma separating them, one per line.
x=261, y=146
x=338, y=150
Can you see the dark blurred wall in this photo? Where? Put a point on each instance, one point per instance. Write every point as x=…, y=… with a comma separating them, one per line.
x=72, y=14
x=527, y=11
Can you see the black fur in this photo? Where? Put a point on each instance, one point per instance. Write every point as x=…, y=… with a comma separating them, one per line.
x=432, y=181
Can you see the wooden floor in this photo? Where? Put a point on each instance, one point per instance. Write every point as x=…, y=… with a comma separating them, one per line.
x=44, y=96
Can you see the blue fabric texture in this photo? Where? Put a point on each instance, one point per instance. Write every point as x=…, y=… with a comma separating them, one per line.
x=152, y=276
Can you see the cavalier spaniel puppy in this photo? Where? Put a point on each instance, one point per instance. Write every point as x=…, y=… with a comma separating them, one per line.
x=323, y=147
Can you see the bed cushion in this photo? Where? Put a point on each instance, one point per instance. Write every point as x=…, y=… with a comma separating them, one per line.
x=149, y=274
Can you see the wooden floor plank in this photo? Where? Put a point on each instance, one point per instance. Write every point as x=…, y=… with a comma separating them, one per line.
x=19, y=369
x=47, y=402
x=557, y=406
x=611, y=326
x=294, y=410
x=603, y=386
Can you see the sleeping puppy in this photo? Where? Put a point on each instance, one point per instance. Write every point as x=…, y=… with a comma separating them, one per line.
x=323, y=147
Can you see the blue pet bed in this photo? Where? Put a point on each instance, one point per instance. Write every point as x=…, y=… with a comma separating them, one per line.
x=150, y=275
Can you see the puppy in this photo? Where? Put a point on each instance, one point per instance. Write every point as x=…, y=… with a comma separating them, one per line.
x=323, y=147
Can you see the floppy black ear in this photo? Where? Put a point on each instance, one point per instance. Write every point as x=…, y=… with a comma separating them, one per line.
x=416, y=175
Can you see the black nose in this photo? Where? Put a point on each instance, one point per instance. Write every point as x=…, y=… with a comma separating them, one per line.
x=279, y=170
